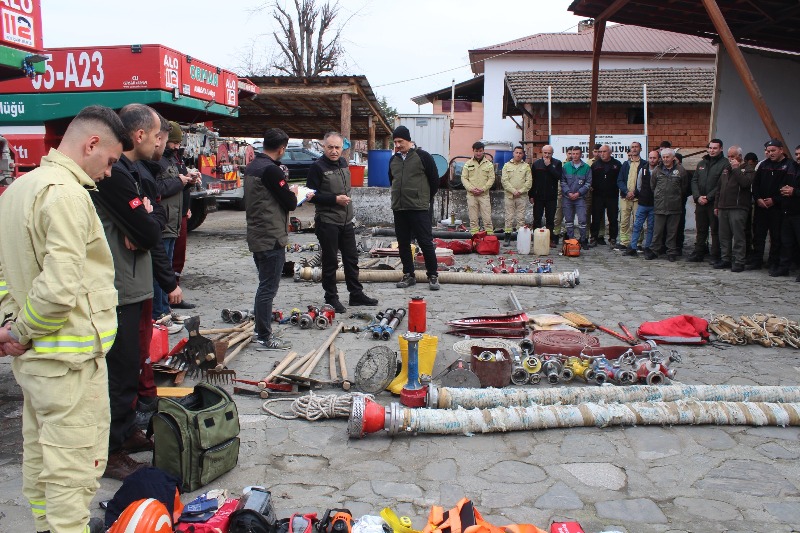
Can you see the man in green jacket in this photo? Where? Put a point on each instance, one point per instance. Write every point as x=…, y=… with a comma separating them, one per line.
x=414, y=179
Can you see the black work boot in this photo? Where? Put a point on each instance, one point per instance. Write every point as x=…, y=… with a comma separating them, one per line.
x=507, y=241
x=362, y=299
x=337, y=305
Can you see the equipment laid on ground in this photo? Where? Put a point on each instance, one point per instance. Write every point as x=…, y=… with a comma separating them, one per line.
x=370, y=417
x=413, y=392
x=508, y=326
x=335, y=521
x=196, y=438
x=561, y=279
x=571, y=248
x=375, y=370
x=761, y=328
x=524, y=240
x=541, y=241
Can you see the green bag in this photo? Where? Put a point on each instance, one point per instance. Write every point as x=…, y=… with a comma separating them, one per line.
x=196, y=437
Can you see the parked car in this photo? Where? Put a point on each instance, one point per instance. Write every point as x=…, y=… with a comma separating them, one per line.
x=298, y=160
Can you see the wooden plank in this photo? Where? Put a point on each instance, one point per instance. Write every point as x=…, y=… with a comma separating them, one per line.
x=740, y=64
x=346, y=118
x=371, y=133
x=290, y=91
x=599, y=33
x=611, y=10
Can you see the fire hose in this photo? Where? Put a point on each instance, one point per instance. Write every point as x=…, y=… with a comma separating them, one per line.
x=560, y=279
x=455, y=398
x=438, y=234
x=367, y=416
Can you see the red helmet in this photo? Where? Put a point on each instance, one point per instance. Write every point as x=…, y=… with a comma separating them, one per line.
x=143, y=516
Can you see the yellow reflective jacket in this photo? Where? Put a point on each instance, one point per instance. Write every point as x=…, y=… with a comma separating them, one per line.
x=516, y=177
x=476, y=175
x=56, y=270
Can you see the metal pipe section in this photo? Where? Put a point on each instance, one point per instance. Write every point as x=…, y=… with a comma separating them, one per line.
x=455, y=398
x=386, y=334
x=413, y=360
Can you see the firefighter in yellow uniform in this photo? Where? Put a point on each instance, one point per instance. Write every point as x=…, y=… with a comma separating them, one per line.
x=58, y=306
x=477, y=176
x=517, y=180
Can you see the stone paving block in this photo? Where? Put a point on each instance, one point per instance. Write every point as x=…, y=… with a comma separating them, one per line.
x=601, y=475
x=513, y=472
x=559, y=497
x=633, y=510
x=787, y=511
x=748, y=477
x=773, y=450
x=712, y=510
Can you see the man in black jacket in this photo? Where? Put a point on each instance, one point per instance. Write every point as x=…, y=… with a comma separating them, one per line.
x=131, y=232
x=329, y=177
x=414, y=179
x=545, y=193
x=605, y=194
x=771, y=175
x=268, y=198
x=705, y=187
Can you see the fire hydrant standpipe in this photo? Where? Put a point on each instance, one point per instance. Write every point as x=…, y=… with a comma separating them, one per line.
x=454, y=398
x=413, y=393
x=396, y=419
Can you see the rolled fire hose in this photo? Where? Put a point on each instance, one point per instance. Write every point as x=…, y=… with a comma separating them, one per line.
x=439, y=233
x=367, y=416
x=454, y=398
x=562, y=279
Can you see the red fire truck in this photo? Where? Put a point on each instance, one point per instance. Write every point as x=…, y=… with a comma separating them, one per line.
x=34, y=112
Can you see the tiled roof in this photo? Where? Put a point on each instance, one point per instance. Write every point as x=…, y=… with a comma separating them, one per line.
x=664, y=85
x=618, y=39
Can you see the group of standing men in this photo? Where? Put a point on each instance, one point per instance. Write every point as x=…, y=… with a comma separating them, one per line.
x=87, y=237
x=738, y=201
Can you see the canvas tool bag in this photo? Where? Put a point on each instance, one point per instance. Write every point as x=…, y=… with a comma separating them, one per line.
x=196, y=437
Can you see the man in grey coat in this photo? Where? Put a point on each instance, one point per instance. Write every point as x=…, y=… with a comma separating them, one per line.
x=669, y=182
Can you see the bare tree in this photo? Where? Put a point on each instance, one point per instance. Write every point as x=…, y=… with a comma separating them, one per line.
x=309, y=43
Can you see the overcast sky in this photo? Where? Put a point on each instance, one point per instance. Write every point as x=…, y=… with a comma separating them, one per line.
x=388, y=42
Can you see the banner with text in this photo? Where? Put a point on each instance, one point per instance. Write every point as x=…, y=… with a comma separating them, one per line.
x=619, y=145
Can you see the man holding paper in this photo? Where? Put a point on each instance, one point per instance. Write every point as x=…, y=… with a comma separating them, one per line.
x=268, y=199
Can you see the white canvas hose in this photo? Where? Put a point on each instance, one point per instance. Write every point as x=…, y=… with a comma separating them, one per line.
x=502, y=419
x=452, y=398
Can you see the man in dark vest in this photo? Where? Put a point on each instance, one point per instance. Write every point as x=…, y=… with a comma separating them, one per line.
x=268, y=200
x=329, y=177
x=414, y=179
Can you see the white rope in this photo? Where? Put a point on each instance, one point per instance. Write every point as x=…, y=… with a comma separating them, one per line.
x=314, y=406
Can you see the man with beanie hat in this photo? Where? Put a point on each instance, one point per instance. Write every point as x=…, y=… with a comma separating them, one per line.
x=414, y=180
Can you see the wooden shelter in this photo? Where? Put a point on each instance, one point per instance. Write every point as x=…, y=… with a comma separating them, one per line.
x=762, y=23
x=307, y=108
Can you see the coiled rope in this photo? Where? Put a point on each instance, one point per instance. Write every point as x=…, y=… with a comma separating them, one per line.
x=314, y=406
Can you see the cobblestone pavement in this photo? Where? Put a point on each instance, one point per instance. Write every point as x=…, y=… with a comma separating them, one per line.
x=632, y=479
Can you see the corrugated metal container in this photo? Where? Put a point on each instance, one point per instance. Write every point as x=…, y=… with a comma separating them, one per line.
x=429, y=132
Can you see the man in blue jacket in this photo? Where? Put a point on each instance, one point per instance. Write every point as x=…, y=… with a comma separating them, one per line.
x=575, y=183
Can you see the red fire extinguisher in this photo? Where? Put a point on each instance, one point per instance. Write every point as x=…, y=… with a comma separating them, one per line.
x=417, y=315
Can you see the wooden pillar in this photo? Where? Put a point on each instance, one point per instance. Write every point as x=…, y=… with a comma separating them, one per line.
x=599, y=32
x=371, y=135
x=728, y=41
x=346, y=121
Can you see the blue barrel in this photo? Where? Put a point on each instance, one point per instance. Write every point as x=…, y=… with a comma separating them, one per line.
x=378, y=165
x=501, y=157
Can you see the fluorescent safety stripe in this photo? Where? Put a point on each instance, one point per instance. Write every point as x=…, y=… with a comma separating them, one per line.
x=107, y=338
x=3, y=288
x=45, y=323
x=37, y=507
x=72, y=344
